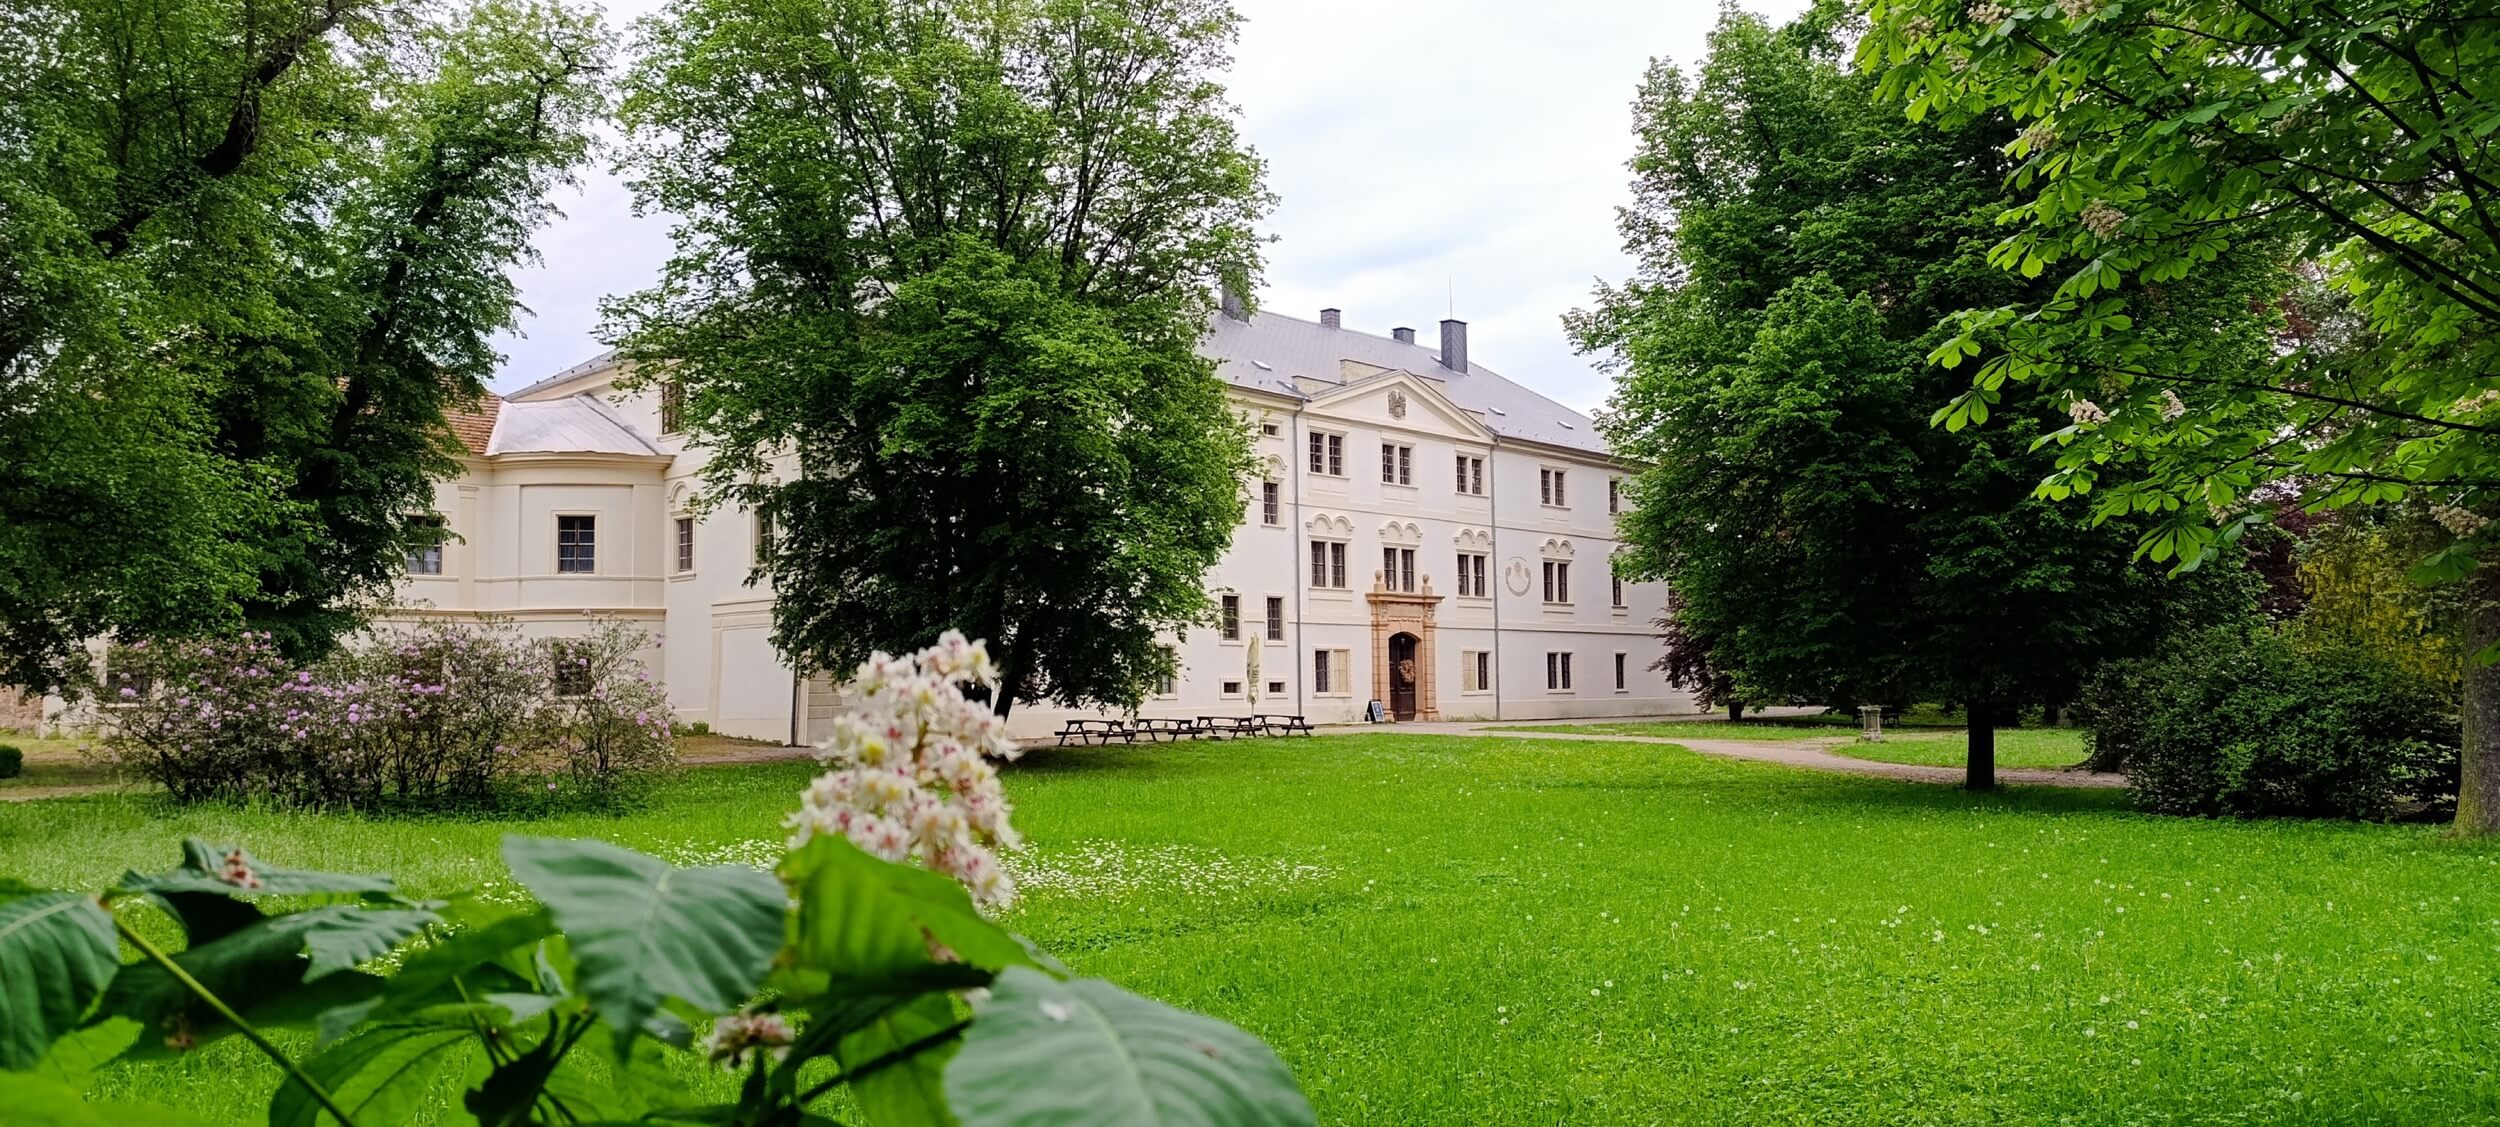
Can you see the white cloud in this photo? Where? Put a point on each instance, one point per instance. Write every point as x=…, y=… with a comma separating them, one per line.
x=1461, y=157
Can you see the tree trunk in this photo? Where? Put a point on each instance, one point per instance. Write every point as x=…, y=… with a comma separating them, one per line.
x=2478, y=782
x=1735, y=711
x=1981, y=769
x=1010, y=680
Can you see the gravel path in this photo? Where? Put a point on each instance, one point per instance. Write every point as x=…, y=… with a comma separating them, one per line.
x=1810, y=754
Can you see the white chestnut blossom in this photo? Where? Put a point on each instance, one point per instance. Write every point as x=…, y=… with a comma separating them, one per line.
x=736, y=1035
x=2086, y=413
x=910, y=777
x=2172, y=408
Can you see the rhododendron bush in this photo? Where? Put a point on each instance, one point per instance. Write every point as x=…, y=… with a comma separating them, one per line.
x=439, y=715
x=862, y=978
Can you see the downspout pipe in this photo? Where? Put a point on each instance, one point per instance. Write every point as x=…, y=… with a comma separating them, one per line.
x=1293, y=556
x=1493, y=517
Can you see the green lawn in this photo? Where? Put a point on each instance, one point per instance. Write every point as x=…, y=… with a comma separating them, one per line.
x=1801, y=728
x=2016, y=747
x=53, y=763
x=1489, y=931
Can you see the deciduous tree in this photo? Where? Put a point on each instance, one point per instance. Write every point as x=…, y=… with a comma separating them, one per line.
x=2157, y=138
x=249, y=253
x=933, y=311
x=1797, y=243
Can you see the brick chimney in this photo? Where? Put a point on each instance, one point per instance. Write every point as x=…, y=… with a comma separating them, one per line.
x=1405, y=335
x=1454, y=345
x=1329, y=319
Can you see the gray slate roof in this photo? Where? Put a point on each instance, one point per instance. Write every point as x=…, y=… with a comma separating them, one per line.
x=1290, y=346
x=577, y=424
x=1266, y=352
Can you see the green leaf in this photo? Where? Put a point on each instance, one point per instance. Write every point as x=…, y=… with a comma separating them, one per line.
x=280, y=972
x=37, y=1101
x=642, y=931
x=863, y=921
x=57, y=953
x=380, y=1076
x=508, y=1097
x=202, y=863
x=1085, y=1051
x=911, y=1091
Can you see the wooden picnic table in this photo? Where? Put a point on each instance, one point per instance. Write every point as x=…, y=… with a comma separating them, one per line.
x=1088, y=732
x=1159, y=728
x=1283, y=724
x=1220, y=727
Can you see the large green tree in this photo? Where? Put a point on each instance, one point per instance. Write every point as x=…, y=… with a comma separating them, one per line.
x=940, y=274
x=1797, y=244
x=2157, y=137
x=249, y=253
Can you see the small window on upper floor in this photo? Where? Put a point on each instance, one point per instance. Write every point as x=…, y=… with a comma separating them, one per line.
x=672, y=407
x=1271, y=503
x=577, y=545
x=1269, y=430
x=1229, y=626
x=1549, y=487
x=1470, y=475
x=1327, y=454
x=425, y=550
x=1614, y=495
x=685, y=544
x=1397, y=464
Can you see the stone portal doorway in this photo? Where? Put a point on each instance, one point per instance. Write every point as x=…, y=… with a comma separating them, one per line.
x=1402, y=676
x=1402, y=649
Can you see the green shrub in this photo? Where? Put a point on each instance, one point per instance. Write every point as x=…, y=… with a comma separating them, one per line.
x=2247, y=723
x=12, y=761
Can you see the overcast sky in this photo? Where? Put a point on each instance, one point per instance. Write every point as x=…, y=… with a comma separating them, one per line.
x=1428, y=156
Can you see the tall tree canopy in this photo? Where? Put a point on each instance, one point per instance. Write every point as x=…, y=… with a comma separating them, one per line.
x=941, y=272
x=2158, y=137
x=1798, y=243
x=249, y=252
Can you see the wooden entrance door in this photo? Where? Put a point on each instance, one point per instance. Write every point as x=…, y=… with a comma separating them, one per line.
x=1402, y=676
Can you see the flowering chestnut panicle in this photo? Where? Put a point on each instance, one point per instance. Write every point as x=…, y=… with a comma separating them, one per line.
x=911, y=778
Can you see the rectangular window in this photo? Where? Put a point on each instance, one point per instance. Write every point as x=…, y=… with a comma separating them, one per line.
x=1167, y=683
x=1268, y=429
x=1328, y=564
x=1271, y=503
x=1484, y=670
x=1328, y=454
x=1475, y=670
x=1232, y=688
x=1471, y=568
x=1397, y=569
x=764, y=538
x=1471, y=476
x=672, y=407
x=1549, y=487
x=1558, y=672
x=1275, y=688
x=1622, y=682
x=425, y=557
x=1275, y=619
x=572, y=670
x=1614, y=495
x=1231, y=627
x=1557, y=581
x=1397, y=464
x=685, y=544
x=1618, y=581
x=577, y=545
x=1332, y=672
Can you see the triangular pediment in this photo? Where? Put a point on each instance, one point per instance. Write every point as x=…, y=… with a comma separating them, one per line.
x=1399, y=399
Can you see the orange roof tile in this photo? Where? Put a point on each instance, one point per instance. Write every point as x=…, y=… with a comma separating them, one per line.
x=475, y=424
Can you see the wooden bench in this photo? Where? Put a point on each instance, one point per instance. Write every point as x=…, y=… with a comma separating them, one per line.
x=1227, y=727
x=1088, y=732
x=1158, y=729
x=1282, y=724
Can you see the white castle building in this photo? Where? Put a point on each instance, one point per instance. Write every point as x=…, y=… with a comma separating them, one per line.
x=1427, y=534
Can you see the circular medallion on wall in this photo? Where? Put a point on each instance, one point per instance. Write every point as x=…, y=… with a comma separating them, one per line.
x=1515, y=576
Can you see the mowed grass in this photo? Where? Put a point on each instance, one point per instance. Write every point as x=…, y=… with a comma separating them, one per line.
x=51, y=764
x=1509, y=931
x=2016, y=747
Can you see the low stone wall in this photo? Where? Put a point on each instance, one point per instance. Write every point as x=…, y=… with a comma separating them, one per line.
x=20, y=714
